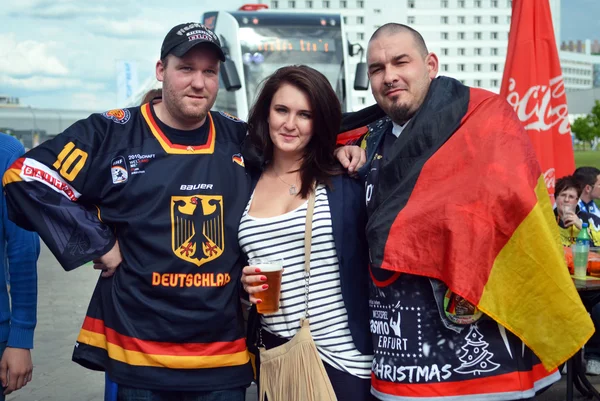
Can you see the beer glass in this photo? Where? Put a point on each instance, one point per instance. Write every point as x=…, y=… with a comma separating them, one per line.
x=566, y=209
x=272, y=269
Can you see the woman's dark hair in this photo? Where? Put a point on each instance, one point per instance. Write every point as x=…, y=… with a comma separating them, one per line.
x=318, y=162
x=151, y=94
x=568, y=182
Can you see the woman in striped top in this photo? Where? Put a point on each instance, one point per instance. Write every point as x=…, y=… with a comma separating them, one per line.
x=291, y=142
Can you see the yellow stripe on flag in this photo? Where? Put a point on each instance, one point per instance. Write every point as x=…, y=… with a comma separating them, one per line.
x=137, y=358
x=551, y=320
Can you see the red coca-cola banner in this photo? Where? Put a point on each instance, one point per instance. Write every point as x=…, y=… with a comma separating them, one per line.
x=534, y=86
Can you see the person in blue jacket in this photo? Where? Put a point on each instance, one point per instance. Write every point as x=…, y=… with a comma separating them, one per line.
x=19, y=251
x=289, y=152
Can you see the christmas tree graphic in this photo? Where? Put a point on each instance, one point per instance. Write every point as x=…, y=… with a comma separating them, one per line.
x=476, y=358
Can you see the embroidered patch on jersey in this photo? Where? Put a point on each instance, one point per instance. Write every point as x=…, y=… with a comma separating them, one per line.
x=230, y=117
x=197, y=228
x=239, y=159
x=118, y=170
x=120, y=116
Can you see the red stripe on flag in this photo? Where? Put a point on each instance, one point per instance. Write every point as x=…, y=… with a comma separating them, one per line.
x=351, y=135
x=463, y=208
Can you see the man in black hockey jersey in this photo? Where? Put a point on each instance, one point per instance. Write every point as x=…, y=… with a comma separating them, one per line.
x=165, y=320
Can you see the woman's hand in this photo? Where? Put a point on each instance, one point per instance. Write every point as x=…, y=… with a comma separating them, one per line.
x=253, y=282
x=571, y=219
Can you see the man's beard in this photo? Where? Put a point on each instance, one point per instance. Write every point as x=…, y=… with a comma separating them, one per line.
x=400, y=113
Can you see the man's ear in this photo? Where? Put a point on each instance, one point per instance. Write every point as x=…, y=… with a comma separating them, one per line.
x=433, y=64
x=160, y=70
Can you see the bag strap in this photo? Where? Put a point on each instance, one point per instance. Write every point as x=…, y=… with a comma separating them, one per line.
x=307, y=246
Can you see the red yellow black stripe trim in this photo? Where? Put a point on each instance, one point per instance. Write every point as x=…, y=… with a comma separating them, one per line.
x=13, y=174
x=508, y=382
x=169, y=147
x=137, y=352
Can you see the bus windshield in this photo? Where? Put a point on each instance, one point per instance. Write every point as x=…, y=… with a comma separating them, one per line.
x=267, y=48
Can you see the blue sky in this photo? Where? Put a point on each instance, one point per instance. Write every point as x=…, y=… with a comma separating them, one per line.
x=580, y=19
x=63, y=53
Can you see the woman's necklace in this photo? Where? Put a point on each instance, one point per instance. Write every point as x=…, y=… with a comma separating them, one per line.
x=293, y=189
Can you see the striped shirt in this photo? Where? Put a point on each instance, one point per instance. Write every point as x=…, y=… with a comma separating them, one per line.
x=283, y=237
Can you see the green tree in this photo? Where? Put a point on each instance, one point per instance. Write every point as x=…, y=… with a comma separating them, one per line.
x=584, y=129
x=595, y=118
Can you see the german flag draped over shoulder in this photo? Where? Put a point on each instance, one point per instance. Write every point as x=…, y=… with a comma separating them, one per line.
x=461, y=198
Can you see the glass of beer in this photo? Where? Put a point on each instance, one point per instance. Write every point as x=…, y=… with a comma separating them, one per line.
x=272, y=269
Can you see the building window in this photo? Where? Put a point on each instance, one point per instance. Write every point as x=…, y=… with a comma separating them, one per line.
x=411, y=3
x=291, y=4
x=461, y=20
x=411, y=19
x=494, y=19
x=494, y=67
x=494, y=83
x=461, y=3
x=494, y=51
x=477, y=19
x=444, y=67
x=508, y=19
x=494, y=3
x=461, y=67
x=345, y=20
x=309, y=4
x=274, y=4
x=444, y=51
x=509, y=3
x=477, y=51
x=444, y=20
x=377, y=11
x=343, y=4
x=360, y=4
x=494, y=35
x=461, y=35
x=477, y=83
x=477, y=67
x=444, y=4
x=360, y=20
x=477, y=35
x=477, y=3
x=362, y=100
x=325, y=4
x=360, y=36
x=461, y=51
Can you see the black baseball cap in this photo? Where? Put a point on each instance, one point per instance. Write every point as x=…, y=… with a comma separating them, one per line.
x=183, y=37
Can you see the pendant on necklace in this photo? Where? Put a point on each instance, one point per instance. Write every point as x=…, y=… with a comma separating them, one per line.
x=293, y=190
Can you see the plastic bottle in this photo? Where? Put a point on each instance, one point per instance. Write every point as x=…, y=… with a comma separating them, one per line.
x=581, y=251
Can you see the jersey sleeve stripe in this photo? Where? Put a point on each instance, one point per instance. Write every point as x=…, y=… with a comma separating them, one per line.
x=30, y=170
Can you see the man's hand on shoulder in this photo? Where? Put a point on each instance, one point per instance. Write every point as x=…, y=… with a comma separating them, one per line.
x=109, y=262
x=351, y=157
x=16, y=369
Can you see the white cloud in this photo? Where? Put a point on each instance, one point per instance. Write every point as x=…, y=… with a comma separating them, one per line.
x=65, y=9
x=29, y=57
x=40, y=83
x=127, y=29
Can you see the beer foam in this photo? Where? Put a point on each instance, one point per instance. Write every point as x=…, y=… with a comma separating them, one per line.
x=269, y=267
